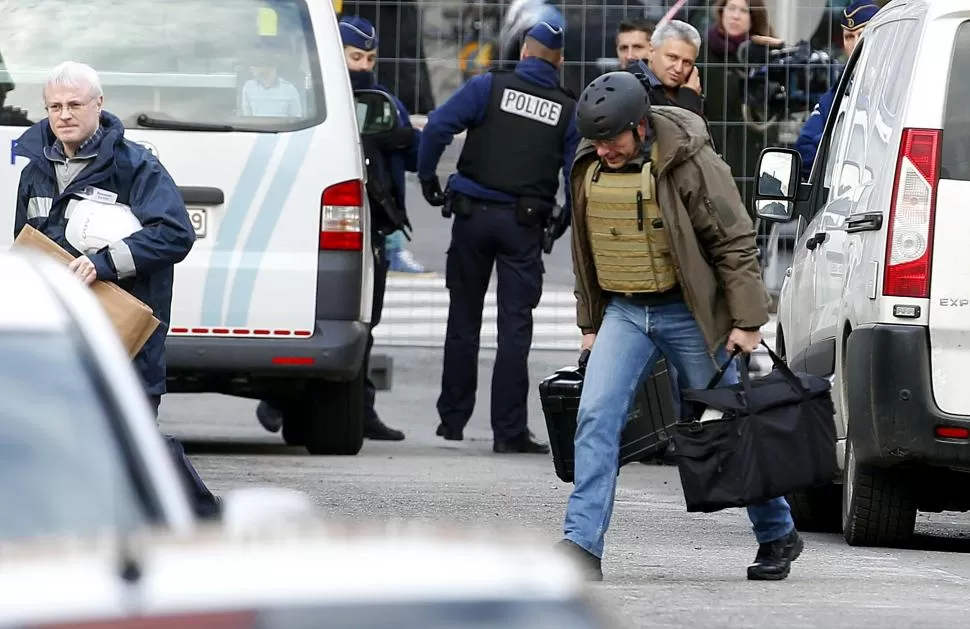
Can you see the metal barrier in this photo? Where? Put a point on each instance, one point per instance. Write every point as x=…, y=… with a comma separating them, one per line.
x=429, y=48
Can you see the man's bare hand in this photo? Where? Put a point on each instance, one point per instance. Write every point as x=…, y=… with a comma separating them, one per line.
x=588, y=341
x=84, y=269
x=694, y=82
x=743, y=340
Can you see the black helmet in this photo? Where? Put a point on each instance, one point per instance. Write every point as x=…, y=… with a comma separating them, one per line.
x=611, y=104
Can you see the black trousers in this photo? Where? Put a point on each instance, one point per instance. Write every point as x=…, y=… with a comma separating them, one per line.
x=377, y=308
x=202, y=499
x=490, y=237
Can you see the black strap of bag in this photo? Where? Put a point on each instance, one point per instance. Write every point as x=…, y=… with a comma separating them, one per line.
x=583, y=359
x=743, y=371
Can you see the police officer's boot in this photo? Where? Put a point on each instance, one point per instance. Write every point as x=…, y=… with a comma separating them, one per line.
x=377, y=430
x=523, y=444
x=773, y=561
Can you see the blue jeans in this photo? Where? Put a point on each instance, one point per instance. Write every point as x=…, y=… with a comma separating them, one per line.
x=628, y=345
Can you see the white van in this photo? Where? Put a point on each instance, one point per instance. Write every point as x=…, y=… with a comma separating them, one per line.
x=878, y=293
x=275, y=297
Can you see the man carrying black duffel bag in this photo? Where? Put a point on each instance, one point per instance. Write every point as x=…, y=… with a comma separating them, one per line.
x=666, y=264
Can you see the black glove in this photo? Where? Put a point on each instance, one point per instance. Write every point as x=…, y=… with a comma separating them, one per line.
x=554, y=230
x=431, y=189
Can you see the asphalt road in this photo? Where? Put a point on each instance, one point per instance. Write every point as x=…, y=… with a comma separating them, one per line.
x=664, y=567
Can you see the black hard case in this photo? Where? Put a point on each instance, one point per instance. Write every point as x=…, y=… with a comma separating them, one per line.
x=647, y=430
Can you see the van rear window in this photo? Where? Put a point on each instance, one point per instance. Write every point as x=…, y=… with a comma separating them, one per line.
x=956, y=126
x=243, y=64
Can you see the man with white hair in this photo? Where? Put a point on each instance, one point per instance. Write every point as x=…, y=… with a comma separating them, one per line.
x=79, y=154
x=669, y=74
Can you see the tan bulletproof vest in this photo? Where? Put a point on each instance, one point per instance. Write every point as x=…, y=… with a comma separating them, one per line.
x=627, y=234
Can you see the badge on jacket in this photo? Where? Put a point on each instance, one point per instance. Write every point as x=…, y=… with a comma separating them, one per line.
x=97, y=194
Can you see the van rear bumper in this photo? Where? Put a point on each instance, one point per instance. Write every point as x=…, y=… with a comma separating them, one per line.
x=335, y=351
x=892, y=414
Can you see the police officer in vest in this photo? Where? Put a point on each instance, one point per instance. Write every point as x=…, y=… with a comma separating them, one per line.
x=666, y=265
x=521, y=132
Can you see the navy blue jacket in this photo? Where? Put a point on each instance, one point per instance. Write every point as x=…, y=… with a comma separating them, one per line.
x=811, y=133
x=141, y=182
x=399, y=161
x=466, y=108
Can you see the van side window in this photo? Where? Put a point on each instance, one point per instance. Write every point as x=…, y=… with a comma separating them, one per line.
x=956, y=126
x=835, y=138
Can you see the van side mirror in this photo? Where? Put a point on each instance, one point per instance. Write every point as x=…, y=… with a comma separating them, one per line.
x=376, y=112
x=778, y=182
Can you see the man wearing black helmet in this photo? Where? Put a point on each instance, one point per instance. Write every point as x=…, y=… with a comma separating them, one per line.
x=666, y=265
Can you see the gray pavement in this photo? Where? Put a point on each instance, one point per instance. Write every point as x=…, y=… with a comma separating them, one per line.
x=664, y=567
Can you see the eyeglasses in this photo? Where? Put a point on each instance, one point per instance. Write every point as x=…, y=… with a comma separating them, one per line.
x=72, y=107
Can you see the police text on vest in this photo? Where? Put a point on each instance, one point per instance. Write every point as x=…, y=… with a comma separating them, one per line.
x=532, y=107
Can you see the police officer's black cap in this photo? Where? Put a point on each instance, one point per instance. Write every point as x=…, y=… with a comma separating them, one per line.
x=611, y=104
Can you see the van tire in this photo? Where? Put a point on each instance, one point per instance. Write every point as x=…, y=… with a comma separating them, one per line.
x=817, y=509
x=879, y=507
x=335, y=421
x=294, y=429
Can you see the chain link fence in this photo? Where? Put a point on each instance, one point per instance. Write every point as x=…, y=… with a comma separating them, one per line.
x=429, y=48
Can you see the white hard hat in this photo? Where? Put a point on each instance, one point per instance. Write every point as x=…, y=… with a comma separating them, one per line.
x=94, y=225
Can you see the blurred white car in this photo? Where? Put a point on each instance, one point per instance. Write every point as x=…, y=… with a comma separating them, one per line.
x=79, y=449
x=317, y=575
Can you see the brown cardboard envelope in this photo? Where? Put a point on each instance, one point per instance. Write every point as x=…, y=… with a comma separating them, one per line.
x=132, y=319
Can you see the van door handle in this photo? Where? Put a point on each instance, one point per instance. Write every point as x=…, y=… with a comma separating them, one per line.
x=202, y=195
x=867, y=222
x=816, y=240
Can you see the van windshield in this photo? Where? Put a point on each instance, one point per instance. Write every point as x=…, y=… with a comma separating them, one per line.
x=248, y=65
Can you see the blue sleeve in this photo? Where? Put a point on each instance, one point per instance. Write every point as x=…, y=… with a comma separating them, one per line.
x=811, y=133
x=410, y=155
x=466, y=108
x=20, y=216
x=166, y=236
x=570, y=144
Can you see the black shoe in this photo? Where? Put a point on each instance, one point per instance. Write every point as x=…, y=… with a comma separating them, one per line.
x=210, y=510
x=523, y=444
x=269, y=417
x=773, y=561
x=377, y=430
x=449, y=433
x=589, y=563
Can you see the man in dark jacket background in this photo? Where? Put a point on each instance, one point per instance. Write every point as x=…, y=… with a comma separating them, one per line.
x=668, y=72
x=80, y=153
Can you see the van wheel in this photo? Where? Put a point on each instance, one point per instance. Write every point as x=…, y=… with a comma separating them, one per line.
x=818, y=509
x=335, y=417
x=294, y=429
x=878, y=506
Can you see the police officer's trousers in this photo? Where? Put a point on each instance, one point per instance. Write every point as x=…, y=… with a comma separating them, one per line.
x=490, y=236
x=202, y=499
x=377, y=307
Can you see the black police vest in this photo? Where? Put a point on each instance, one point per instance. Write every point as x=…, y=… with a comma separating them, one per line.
x=518, y=148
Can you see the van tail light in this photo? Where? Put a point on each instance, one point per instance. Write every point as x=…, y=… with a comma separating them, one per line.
x=341, y=208
x=909, y=250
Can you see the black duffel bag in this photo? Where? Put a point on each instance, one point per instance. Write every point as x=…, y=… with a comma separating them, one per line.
x=776, y=436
